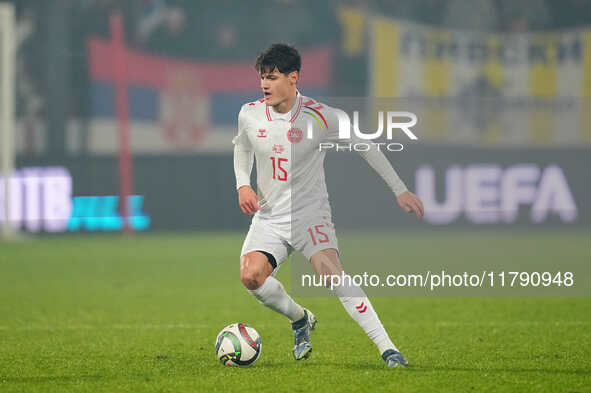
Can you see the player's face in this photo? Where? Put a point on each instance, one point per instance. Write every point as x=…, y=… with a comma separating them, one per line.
x=278, y=87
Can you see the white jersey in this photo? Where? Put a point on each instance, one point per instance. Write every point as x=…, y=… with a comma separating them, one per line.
x=290, y=164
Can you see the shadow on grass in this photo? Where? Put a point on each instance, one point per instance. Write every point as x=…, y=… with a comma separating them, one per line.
x=310, y=365
x=579, y=371
x=317, y=364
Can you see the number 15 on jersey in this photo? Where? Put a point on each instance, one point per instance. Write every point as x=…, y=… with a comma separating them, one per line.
x=279, y=172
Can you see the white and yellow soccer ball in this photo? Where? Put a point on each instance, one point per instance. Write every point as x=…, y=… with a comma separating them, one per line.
x=238, y=345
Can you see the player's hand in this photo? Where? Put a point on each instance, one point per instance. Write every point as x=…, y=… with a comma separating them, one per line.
x=248, y=200
x=410, y=202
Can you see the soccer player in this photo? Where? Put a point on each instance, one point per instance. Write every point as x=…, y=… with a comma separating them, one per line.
x=291, y=208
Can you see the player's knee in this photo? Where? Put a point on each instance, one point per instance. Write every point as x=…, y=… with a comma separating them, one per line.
x=252, y=273
x=250, y=279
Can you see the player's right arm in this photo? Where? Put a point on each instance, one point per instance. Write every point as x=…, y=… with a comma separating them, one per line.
x=243, y=161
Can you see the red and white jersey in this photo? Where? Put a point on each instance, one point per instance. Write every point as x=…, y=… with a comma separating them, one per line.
x=289, y=162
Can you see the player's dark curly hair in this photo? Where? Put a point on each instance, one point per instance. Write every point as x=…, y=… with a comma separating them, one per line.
x=281, y=56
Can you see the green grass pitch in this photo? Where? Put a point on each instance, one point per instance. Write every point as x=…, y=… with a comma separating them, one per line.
x=110, y=314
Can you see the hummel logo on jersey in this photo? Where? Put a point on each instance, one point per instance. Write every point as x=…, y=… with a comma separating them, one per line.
x=294, y=135
x=278, y=149
x=262, y=133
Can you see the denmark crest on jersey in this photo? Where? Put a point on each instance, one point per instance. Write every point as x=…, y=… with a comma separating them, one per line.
x=294, y=135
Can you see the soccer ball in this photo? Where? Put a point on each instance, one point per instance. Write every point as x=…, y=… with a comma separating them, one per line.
x=238, y=345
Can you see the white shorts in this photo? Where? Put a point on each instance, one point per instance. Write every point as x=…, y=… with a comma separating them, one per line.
x=307, y=235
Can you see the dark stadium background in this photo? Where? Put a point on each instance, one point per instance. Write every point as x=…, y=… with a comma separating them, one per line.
x=188, y=57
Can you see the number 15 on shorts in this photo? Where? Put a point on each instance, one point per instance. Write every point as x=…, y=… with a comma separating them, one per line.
x=317, y=234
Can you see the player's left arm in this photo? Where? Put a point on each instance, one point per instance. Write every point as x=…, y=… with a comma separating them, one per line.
x=408, y=201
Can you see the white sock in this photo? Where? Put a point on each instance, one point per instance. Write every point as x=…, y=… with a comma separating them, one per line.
x=273, y=295
x=360, y=309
